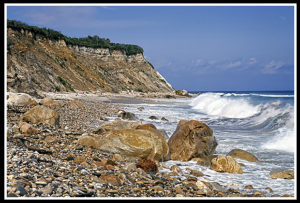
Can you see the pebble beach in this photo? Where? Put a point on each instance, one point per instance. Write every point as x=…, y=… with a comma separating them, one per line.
x=51, y=164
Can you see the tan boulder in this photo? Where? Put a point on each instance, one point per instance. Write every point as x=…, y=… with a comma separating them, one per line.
x=225, y=164
x=241, y=154
x=136, y=143
x=41, y=114
x=21, y=99
x=282, y=174
x=49, y=102
x=191, y=139
x=27, y=129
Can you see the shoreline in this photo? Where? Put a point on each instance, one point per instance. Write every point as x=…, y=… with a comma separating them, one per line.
x=65, y=154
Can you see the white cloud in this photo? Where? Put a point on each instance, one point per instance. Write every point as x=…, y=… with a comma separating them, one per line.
x=252, y=61
x=272, y=67
x=234, y=64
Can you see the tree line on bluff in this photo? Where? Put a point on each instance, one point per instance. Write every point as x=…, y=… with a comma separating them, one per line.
x=95, y=41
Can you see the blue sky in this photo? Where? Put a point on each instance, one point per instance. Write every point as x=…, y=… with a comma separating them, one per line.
x=196, y=47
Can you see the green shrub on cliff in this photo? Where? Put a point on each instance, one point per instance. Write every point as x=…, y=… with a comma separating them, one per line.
x=95, y=41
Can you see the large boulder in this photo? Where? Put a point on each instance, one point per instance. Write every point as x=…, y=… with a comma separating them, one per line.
x=21, y=99
x=41, y=114
x=133, y=143
x=225, y=164
x=191, y=139
x=241, y=154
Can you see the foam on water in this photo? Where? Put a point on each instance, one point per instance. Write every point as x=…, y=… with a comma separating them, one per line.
x=261, y=125
x=285, y=137
x=216, y=104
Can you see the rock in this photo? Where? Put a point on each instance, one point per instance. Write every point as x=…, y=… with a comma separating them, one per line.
x=130, y=167
x=41, y=114
x=176, y=169
x=27, y=129
x=196, y=173
x=117, y=157
x=270, y=189
x=191, y=139
x=147, y=165
x=21, y=99
x=127, y=115
x=225, y=164
x=178, y=189
x=164, y=119
x=182, y=93
x=47, y=190
x=202, y=185
x=110, y=179
x=141, y=108
x=203, y=161
x=49, y=102
x=248, y=187
x=88, y=141
x=153, y=117
x=282, y=174
x=79, y=160
x=75, y=104
x=134, y=143
x=241, y=154
x=117, y=125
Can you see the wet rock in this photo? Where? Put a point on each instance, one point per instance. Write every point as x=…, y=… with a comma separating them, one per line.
x=248, y=187
x=164, y=119
x=153, y=118
x=282, y=174
x=127, y=115
x=196, y=173
x=141, y=108
x=225, y=164
x=191, y=139
x=241, y=154
x=176, y=169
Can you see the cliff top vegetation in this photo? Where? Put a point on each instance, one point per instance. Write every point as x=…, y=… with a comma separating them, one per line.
x=90, y=41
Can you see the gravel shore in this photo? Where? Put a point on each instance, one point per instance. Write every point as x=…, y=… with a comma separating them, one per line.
x=50, y=163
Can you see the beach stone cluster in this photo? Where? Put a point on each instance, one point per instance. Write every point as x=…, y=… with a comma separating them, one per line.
x=81, y=148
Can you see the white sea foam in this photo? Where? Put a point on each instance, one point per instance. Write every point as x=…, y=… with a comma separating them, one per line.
x=285, y=137
x=216, y=105
x=271, y=95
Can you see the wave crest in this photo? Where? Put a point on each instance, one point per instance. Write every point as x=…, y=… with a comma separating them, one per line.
x=216, y=105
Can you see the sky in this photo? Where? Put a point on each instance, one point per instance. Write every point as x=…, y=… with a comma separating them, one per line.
x=196, y=47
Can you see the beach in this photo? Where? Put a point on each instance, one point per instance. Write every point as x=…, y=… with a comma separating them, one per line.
x=50, y=163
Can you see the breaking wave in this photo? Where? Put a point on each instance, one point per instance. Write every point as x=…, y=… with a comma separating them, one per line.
x=274, y=117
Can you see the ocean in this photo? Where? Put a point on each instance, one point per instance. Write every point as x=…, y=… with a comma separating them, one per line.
x=260, y=122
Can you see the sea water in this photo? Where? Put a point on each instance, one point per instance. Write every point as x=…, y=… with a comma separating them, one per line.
x=262, y=123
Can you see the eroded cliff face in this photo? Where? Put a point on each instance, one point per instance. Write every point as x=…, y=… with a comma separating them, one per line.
x=38, y=64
